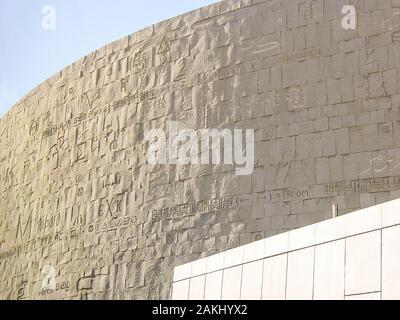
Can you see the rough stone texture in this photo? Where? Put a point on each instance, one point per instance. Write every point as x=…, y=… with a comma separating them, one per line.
x=76, y=192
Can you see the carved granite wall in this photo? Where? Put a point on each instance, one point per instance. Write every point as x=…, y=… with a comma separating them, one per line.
x=77, y=198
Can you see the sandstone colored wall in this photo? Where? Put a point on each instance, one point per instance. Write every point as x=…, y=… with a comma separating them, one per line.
x=76, y=194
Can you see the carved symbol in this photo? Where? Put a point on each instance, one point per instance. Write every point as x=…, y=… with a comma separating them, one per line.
x=84, y=102
x=49, y=279
x=94, y=144
x=27, y=165
x=110, y=207
x=33, y=128
x=54, y=153
x=369, y=56
x=114, y=145
x=179, y=69
x=289, y=168
x=61, y=139
x=267, y=47
x=81, y=154
x=21, y=291
x=96, y=97
x=386, y=128
x=386, y=164
x=116, y=179
x=86, y=283
x=139, y=64
x=124, y=82
x=396, y=36
x=276, y=98
x=308, y=15
x=294, y=97
x=154, y=292
x=26, y=232
x=80, y=191
x=163, y=74
x=10, y=179
x=164, y=45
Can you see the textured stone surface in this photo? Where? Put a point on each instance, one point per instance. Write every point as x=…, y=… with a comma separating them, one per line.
x=76, y=192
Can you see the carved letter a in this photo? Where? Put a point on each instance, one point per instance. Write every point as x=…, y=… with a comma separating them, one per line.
x=349, y=21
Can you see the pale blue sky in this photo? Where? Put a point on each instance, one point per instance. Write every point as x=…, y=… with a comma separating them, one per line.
x=30, y=55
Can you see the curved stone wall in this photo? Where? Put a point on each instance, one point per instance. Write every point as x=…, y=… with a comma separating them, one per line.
x=83, y=215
